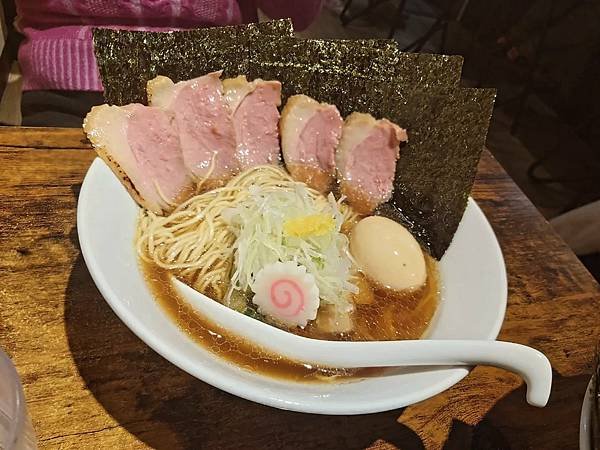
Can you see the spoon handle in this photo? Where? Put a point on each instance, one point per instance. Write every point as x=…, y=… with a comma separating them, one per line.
x=530, y=364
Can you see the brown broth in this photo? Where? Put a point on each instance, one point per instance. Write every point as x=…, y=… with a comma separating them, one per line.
x=229, y=346
x=384, y=315
x=389, y=316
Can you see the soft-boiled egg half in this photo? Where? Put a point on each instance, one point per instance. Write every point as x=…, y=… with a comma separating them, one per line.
x=388, y=254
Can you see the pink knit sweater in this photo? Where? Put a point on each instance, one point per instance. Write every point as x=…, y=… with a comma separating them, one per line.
x=57, y=52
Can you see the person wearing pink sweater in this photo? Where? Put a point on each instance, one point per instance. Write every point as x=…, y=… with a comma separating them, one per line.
x=60, y=75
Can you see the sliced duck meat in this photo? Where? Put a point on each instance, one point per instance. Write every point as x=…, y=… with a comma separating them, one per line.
x=253, y=106
x=141, y=146
x=205, y=125
x=366, y=160
x=310, y=133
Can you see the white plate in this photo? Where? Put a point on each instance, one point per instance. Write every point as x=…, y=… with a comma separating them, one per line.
x=585, y=421
x=472, y=307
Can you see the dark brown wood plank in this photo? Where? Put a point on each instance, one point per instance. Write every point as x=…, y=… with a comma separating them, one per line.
x=90, y=382
x=41, y=137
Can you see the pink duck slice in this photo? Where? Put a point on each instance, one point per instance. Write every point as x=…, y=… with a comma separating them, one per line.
x=287, y=294
x=366, y=160
x=141, y=146
x=205, y=125
x=253, y=106
x=310, y=132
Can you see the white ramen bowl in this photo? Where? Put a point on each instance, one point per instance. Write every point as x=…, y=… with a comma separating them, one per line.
x=472, y=306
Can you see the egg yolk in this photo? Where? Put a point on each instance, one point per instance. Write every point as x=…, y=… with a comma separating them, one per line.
x=388, y=254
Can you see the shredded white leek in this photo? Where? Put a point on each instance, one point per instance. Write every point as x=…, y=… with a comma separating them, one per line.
x=258, y=223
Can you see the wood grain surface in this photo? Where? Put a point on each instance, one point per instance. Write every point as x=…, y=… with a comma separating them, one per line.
x=90, y=383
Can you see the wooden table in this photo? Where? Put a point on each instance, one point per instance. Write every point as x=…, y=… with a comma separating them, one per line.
x=90, y=383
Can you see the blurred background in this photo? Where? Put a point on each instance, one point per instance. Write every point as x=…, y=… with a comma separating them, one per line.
x=541, y=55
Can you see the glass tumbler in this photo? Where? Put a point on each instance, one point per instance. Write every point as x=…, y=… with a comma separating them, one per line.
x=16, y=432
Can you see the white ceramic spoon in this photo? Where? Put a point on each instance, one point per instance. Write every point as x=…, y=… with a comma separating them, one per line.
x=527, y=362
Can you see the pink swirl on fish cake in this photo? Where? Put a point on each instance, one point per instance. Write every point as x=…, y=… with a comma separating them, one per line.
x=287, y=296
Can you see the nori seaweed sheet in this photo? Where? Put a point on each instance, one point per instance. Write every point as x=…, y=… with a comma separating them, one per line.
x=128, y=59
x=361, y=59
x=446, y=125
x=382, y=44
x=437, y=167
x=183, y=55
